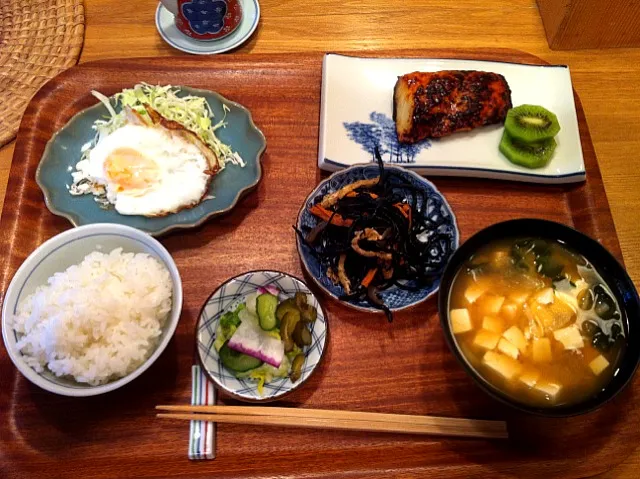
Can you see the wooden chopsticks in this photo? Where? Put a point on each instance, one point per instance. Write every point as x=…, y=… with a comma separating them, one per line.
x=348, y=420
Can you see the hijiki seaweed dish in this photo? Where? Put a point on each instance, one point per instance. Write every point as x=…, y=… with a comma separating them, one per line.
x=374, y=235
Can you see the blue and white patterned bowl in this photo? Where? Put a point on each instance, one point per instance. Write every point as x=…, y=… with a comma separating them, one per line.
x=59, y=253
x=395, y=298
x=226, y=298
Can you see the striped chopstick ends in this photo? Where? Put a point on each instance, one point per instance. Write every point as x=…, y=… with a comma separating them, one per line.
x=201, y=433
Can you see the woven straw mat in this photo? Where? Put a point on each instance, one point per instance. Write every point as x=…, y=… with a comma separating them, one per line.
x=38, y=40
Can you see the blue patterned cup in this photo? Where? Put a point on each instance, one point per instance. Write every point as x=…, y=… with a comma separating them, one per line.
x=205, y=19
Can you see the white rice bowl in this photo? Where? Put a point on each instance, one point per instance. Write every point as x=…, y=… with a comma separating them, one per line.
x=97, y=321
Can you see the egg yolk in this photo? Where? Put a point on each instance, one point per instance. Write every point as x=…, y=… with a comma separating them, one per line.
x=129, y=169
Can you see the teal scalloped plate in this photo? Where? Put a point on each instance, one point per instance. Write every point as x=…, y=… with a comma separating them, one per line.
x=63, y=152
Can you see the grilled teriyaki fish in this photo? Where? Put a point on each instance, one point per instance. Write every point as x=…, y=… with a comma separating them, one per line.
x=432, y=105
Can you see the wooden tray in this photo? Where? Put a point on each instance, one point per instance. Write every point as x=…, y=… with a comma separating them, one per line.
x=403, y=367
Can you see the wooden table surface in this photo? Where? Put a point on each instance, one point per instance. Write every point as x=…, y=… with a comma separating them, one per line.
x=607, y=81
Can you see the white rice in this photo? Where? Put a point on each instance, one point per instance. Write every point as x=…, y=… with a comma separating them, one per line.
x=96, y=321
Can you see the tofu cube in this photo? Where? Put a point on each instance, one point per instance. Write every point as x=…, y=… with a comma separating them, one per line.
x=551, y=390
x=519, y=297
x=545, y=296
x=503, y=365
x=493, y=323
x=529, y=377
x=509, y=310
x=490, y=304
x=514, y=336
x=508, y=348
x=570, y=337
x=541, y=350
x=486, y=339
x=599, y=364
x=460, y=320
x=474, y=291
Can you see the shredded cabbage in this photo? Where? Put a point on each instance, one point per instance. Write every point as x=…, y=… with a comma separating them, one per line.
x=267, y=373
x=192, y=112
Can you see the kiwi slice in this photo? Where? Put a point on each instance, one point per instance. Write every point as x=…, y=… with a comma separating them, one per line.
x=531, y=123
x=531, y=155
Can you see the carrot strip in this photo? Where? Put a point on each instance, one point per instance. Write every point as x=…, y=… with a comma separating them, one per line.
x=366, y=281
x=326, y=215
x=404, y=209
x=353, y=194
x=320, y=212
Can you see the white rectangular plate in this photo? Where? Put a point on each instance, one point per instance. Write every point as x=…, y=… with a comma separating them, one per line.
x=357, y=110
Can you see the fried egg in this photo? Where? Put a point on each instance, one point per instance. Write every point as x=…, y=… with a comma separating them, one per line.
x=147, y=170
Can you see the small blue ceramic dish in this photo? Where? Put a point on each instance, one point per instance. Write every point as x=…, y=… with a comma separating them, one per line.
x=227, y=297
x=63, y=152
x=394, y=298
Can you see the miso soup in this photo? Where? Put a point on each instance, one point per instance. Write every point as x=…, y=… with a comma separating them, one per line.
x=537, y=321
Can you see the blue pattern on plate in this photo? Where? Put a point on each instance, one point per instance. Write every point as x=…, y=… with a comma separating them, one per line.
x=226, y=298
x=64, y=150
x=395, y=298
x=205, y=16
x=381, y=134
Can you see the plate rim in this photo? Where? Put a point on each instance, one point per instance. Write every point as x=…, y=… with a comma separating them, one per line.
x=303, y=260
x=233, y=394
x=74, y=218
x=568, y=178
x=358, y=57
